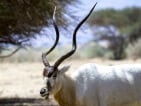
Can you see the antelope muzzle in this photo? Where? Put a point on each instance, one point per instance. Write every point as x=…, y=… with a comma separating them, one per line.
x=44, y=93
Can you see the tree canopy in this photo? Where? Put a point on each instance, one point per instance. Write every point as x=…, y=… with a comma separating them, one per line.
x=22, y=19
x=118, y=27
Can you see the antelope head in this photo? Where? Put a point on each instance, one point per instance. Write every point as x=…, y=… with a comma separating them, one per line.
x=52, y=73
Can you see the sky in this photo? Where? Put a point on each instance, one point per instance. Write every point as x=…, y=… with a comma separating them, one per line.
x=117, y=4
x=81, y=10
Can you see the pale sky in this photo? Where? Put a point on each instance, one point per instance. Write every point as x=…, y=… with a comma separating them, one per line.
x=117, y=4
x=81, y=10
x=85, y=5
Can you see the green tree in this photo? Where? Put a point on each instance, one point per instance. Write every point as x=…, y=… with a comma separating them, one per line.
x=118, y=27
x=20, y=20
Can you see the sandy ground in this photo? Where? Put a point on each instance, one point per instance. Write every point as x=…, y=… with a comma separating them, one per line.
x=24, y=80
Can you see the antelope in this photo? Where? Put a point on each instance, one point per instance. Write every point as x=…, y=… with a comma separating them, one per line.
x=91, y=84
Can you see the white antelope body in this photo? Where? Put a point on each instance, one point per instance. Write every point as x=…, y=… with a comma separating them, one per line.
x=91, y=84
x=98, y=85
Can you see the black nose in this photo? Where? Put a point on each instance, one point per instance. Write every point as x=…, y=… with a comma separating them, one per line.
x=43, y=91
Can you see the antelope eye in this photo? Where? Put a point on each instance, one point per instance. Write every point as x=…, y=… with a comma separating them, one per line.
x=54, y=75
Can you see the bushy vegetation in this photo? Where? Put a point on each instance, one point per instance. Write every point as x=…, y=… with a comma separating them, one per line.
x=118, y=27
x=21, y=20
x=23, y=55
x=90, y=50
x=134, y=50
x=86, y=51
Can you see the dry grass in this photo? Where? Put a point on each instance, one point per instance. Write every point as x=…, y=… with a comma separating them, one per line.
x=24, y=80
x=20, y=80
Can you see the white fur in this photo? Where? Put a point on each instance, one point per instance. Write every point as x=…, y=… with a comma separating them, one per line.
x=98, y=85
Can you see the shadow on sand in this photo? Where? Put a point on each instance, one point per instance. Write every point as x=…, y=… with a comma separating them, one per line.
x=24, y=102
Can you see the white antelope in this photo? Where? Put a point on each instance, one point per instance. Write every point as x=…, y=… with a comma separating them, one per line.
x=91, y=84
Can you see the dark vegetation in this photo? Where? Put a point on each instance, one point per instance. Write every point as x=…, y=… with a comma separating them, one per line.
x=21, y=20
x=118, y=27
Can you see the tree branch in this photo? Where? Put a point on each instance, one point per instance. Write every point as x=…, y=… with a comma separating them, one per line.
x=13, y=52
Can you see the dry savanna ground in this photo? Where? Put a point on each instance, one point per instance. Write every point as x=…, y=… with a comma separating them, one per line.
x=24, y=80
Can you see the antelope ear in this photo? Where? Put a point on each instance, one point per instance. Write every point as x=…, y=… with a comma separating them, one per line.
x=64, y=69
